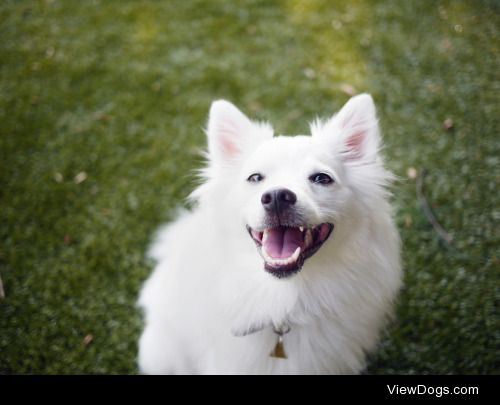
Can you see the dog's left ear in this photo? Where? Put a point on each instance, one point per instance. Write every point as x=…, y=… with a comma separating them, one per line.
x=231, y=133
x=354, y=129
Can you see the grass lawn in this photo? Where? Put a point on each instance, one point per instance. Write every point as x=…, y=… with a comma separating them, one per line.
x=102, y=105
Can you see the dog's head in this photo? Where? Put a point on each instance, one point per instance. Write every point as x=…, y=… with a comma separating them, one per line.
x=292, y=193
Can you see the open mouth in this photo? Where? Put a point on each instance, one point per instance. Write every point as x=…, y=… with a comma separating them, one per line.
x=285, y=248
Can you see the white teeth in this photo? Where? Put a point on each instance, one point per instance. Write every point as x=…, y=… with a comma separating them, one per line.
x=281, y=262
x=308, y=239
x=264, y=236
x=295, y=255
x=301, y=228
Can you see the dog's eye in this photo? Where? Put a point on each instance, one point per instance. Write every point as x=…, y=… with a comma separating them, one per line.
x=321, y=178
x=255, y=178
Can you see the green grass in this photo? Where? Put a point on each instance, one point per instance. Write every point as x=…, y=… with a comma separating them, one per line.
x=120, y=90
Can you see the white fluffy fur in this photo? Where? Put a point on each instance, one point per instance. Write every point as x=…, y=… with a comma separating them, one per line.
x=210, y=283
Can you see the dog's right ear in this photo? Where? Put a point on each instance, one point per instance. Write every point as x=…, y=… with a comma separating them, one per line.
x=231, y=133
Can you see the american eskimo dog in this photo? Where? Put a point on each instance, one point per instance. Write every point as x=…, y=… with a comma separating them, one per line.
x=290, y=260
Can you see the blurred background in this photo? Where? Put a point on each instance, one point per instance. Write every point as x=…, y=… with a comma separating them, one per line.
x=102, y=105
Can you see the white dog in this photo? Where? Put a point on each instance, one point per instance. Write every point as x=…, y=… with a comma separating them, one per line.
x=290, y=262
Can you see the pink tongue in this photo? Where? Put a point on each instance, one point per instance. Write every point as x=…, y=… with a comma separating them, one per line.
x=282, y=242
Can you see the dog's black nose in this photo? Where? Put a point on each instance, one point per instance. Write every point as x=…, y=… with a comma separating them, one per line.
x=278, y=200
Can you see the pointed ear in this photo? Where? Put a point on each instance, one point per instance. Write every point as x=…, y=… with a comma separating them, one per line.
x=355, y=129
x=230, y=132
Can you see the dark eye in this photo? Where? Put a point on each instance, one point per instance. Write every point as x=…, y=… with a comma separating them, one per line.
x=255, y=178
x=321, y=178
